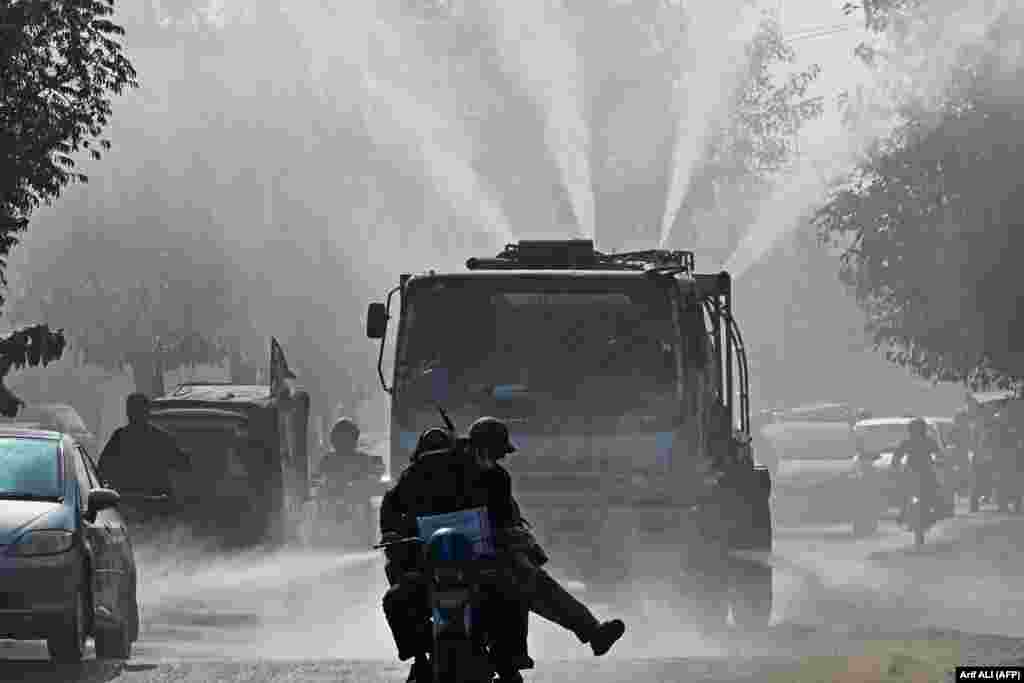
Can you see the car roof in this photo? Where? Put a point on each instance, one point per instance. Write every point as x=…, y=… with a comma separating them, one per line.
x=26, y=431
x=877, y=421
x=50, y=406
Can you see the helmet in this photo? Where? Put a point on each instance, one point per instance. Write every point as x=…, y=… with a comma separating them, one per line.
x=344, y=425
x=431, y=441
x=490, y=432
x=917, y=424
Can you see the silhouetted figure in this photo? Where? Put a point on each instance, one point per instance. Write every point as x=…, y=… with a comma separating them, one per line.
x=141, y=456
x=440, y=480
x=346, y=463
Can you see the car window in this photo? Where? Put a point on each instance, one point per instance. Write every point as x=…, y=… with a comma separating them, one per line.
x=29, y=468
x=90, y=471
x=947, y=432
x=84, y=485
x=69, y=418
x=880, y=437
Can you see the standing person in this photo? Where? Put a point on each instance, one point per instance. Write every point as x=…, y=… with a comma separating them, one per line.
x=140, y=456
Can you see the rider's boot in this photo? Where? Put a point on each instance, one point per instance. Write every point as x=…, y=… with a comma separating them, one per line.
x=420, y=672
x=605, y=635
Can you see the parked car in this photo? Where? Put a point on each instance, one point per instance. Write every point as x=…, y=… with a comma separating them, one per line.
x=877, y=440
x=65, y=553
x=812, y=466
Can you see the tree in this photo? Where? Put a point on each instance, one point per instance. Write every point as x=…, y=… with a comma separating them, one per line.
x=33, y=346
x=141, y=296
x=61, y=63
x=755, y=139
x=933, y=217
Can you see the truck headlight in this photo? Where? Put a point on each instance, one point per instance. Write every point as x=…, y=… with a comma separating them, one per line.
x=43, y=542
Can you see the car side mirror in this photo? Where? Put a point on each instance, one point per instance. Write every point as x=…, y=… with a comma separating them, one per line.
x=102, y=499
x=376, y=321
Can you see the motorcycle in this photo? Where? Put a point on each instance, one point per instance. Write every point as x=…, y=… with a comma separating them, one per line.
x=456, y=571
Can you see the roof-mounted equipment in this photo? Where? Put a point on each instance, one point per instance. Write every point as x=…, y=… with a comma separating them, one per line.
x=581, y=255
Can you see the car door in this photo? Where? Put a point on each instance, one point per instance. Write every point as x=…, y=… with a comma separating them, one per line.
x=106, y=570
x=122, y=555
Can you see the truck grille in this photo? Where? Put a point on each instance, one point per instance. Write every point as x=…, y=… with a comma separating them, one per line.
x=12, y=601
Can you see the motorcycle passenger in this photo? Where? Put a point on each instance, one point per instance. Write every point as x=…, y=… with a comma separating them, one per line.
x=913, y=456
x=489, y=443
x=462, y=478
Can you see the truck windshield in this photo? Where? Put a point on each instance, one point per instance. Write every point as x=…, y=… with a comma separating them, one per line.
x=574, y=346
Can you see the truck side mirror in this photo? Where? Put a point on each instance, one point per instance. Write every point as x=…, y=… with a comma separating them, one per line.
x=376, y=321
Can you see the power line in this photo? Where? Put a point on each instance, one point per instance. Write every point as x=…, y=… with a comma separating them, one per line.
x=818, y=32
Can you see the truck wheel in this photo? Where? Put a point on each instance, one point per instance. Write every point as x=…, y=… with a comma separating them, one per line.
x=752, y=595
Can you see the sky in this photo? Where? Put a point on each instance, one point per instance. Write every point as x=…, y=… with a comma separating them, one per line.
x=832, y=52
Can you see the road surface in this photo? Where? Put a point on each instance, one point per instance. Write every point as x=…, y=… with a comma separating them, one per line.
x=299, y=616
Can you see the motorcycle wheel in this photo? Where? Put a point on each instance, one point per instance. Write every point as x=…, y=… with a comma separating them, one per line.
x=456, y=660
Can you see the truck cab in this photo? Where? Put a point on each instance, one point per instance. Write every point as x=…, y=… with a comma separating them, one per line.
x=623, y=380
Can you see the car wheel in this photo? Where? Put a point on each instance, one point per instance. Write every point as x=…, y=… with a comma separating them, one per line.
x=114, y=642
x=131, y=612
x=68, y=644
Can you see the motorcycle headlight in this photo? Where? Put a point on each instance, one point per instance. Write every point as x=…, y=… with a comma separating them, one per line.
x=43, y=542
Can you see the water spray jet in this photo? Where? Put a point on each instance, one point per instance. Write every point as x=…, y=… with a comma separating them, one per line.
x=399, y=114
x=533, y=43
x=704, y=91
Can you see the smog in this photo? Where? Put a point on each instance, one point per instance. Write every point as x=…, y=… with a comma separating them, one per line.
x=323, y=150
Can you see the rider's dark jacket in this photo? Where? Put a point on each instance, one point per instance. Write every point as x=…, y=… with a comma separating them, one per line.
x=448, y=482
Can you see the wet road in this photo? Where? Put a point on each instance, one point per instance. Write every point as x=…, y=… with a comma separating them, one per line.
x=303, y=617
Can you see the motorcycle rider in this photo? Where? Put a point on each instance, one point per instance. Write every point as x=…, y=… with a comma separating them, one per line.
x=347, y=476
x=346, y=464
x=1006, y=446
x=917, y=451
x=524, y=580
